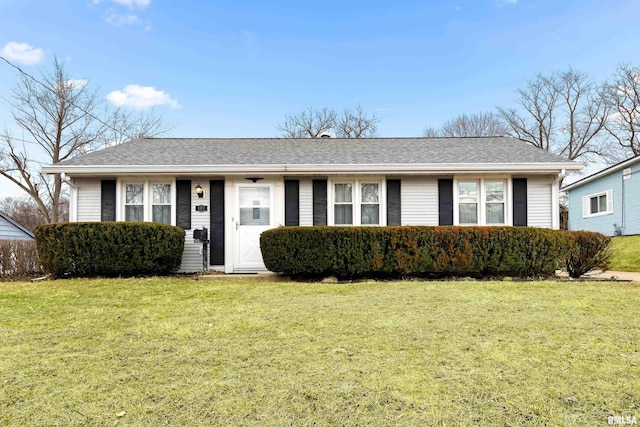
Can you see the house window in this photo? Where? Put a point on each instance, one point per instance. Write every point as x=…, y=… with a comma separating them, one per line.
x=134, y=202
x=148, y=201
x=597, y=204
x=494, y=198
x=357, y=202
x=482, y=202
x=161, y=207
x=343, y=204
x=468, y=202
x=370, y=205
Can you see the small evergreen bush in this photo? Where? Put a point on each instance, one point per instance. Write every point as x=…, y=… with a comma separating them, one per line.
x=88, y=249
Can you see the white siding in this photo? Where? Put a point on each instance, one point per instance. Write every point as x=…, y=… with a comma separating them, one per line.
x=419, y=199
x=539, y=202
x=306, y=202
x=88, y=205
x=192, y=256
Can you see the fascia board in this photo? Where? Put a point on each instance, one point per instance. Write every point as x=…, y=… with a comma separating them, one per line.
x=430, y=168
x=600, y=174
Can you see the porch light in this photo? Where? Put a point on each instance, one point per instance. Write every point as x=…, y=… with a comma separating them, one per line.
x=199, y=191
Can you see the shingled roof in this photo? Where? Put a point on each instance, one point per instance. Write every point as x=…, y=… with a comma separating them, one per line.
x=152, y=154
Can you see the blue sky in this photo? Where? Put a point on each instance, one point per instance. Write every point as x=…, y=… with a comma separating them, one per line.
x=236, y=68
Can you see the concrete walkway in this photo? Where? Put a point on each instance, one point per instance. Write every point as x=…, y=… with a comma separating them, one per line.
x=614, y=275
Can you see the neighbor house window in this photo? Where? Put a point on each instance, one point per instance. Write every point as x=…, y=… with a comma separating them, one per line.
x=356, y=202
x=597, y=204
x=148, y=201
x=161, y=207
x=134, y=202
x=482, y=202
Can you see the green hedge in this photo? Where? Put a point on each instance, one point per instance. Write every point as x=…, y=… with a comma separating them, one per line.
x=417, y=251
x=88, y=249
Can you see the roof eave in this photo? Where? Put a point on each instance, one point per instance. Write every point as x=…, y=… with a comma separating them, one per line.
x=430, y=168
x=600, y=174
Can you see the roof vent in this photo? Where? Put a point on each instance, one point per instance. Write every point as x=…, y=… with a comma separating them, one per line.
x=325, y=135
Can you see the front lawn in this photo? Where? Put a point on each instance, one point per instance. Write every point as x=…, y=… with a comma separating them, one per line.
x=625, y=253
x=168, y=351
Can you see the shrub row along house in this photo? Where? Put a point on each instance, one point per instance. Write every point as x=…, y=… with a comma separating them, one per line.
x=238, y=188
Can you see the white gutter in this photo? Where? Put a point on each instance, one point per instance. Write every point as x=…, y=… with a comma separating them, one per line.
x=400, y=168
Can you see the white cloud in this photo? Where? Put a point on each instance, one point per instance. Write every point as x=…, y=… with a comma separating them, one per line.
x=140, y=4
x=137, y=96
x=76, y=83
x=22, y=52
x=120, y=20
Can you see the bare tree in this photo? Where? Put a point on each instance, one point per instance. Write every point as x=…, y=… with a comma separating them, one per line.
x=431, y=132
x=474, y=125
x=622, y=94
x=125, y=125
x=354, y=123
x=309, y=123
x=62, y=119
x=312, y=123
x=23, y=210
x=563, y=113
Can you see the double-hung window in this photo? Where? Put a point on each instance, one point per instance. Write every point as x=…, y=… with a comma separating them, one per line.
x=494, y=198
x=343, y=204
x=482, y=202
x=468, y=202
x=161, y=207
x=369, y=204
x=356, y=202
x=134, y=202
x=147, y=201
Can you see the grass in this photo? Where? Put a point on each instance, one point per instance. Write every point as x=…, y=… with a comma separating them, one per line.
x=626, y=253
x=171, y=351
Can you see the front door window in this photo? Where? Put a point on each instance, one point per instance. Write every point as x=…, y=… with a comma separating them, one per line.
x=255, y=205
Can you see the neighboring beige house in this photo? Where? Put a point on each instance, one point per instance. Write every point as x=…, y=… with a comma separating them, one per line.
x=239, y=187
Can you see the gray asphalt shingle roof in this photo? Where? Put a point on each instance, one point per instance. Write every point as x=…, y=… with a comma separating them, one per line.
x=282, y=151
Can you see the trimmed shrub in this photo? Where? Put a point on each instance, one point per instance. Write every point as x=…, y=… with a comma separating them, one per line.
x=88, y=249
x=349, y=252
x=586, y=251
x=18, y=258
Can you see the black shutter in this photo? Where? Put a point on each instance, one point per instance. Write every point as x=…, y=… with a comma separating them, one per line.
x=183, y=204
x=393, y=202
x=520, y=202
x=319, y=202
x=445, y=201
x=292, y=202
x=108, y=200
x=216, y=231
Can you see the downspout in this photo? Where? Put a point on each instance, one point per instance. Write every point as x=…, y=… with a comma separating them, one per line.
x=621, y=228
x=555, y=200
x=73, y=197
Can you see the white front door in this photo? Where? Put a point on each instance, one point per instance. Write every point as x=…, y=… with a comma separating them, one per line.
x=254, y=214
